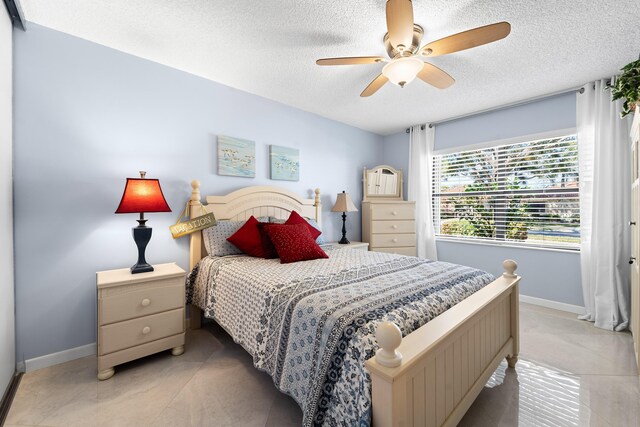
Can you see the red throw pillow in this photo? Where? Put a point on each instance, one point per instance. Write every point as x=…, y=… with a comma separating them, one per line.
x=294, y=242
x=295, y=218
x=253, y=241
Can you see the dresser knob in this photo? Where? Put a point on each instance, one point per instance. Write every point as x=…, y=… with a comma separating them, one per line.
x=146, y=330
x=395, y=227
x=394, y=213
x=145, y=302
x=394, y=240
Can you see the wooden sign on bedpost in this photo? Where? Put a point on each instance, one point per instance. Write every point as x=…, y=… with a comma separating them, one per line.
x=182, y=228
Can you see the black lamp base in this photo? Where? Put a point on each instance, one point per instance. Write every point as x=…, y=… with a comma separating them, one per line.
x=141, y=235
x=141, y=268
x=344, y=240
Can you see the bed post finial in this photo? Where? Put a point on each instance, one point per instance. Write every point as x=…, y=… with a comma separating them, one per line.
x=389, y=337
x=317, y=204
x=195, y=192
x=510, y=267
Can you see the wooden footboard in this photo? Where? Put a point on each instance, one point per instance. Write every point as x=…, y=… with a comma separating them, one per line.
x=433, y=375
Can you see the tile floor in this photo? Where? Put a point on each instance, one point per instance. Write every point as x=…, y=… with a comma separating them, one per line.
x=569, y=374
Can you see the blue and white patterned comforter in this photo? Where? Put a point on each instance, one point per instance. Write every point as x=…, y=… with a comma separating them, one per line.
x=311, y=325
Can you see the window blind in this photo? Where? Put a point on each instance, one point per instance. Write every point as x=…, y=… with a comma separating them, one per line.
x=525, y=193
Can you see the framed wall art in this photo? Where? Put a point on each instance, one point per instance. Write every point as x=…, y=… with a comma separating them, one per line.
x=236, y=157
x=284, y=163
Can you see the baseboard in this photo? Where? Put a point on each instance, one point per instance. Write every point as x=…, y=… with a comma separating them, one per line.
x=57, y=358
x=90, y=349
x=553, y=304
x=9, y=394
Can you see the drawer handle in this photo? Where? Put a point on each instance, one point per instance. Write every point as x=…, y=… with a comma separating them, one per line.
x=145, y=302
x=394, y=213
x=394, y=240
x=146, y=330
x=395, y=227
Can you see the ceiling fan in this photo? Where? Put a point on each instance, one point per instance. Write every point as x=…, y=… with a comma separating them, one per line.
x=402, y=42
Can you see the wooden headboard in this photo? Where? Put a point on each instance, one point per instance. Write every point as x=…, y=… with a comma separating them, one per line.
x=241, y=204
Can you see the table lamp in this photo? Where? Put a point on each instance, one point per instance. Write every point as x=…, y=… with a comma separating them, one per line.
x=142, y=195
x=344, y=205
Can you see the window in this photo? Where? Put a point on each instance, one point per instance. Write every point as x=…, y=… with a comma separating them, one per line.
x=525, y=193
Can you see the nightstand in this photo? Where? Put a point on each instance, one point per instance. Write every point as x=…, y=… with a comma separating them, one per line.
x=139, y=314
x=361, y=246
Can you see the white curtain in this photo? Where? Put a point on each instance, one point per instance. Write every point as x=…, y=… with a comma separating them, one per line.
x=420, y=164
x=603, y=158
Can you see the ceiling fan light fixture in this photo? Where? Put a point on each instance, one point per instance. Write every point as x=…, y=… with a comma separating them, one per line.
x=401, y=71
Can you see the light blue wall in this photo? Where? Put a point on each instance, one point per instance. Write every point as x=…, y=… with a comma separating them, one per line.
x=548, y=114
x=551, y=275
x=395, y=152
x=87, y=117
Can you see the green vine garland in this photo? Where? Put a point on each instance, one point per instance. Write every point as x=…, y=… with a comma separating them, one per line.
x=627, y=87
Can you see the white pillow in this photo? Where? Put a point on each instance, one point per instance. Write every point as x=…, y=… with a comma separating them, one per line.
x=215, y=238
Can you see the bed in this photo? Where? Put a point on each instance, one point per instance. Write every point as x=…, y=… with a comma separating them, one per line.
x=330, y=332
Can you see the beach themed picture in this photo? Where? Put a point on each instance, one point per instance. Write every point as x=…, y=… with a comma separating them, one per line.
x=236, y=157
x=285, y=163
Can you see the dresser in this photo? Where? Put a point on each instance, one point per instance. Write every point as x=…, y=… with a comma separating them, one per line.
x=635, y=233
x=389, y=226
x=139, y=314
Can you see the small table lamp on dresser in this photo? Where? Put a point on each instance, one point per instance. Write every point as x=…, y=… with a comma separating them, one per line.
x=344, y=205
x=142, y=195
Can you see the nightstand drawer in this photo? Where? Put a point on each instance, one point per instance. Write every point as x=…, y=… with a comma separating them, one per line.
x=119, y=336
x=390, y=226
x=393, y=211
x=392, y=240
x=131, y=301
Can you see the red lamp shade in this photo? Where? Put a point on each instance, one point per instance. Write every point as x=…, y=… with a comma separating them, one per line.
x=142, y=195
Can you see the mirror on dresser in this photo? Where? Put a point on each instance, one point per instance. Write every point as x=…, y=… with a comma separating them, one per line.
x=388, y=221
x=382, y=182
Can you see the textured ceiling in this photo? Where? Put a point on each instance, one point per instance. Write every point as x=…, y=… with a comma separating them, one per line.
x=269, y=48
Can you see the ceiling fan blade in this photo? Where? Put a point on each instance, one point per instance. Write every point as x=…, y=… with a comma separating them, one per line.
x=435, y=76
x=352, y=60
x=400, y=23
x=376, y=84
x=467, y=39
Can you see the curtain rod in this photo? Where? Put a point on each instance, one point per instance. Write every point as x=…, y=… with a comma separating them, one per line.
x=15, y=13
x=579, y=89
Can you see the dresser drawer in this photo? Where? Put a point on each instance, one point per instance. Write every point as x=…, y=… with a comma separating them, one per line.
x=392, y=211
x=131, y=301
x=130, y=333
x=393, y=227
x=409, y=251
x=392, y=240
